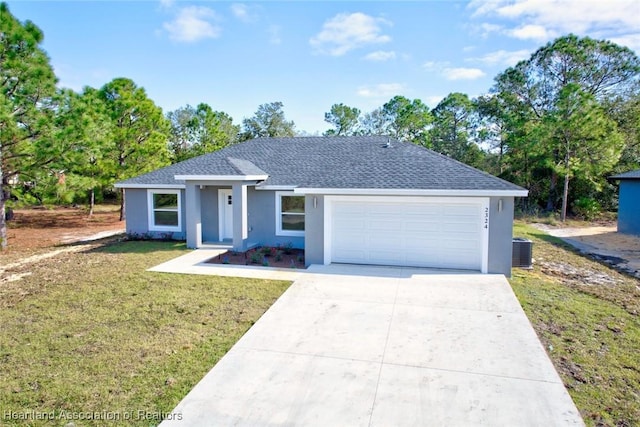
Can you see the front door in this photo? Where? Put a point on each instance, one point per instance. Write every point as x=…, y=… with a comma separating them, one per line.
x=225, y=213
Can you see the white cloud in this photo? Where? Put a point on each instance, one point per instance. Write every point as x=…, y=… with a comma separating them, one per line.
x=242, y=12
x=532, y=32
x=546, y=19
x=345, y=32
x=435, y=65
x=274, y=34
x=193, y=23
x=433, y=100
x=77, y=78
x=68, y=77
x=484, y=7
x=462, y=73
x=166, y=3
x=445, y=69
x=487, y=29
x=504, y=57
x=632, y=41
x=380, y=56
x=382, y=90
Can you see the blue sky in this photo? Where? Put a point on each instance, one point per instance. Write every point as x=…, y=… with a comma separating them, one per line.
x=309, y=55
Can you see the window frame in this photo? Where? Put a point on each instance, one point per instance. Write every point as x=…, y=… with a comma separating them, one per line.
x=279, y=213
x=151, y=211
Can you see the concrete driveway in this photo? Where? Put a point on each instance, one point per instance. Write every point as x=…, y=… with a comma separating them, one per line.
x=377, y=346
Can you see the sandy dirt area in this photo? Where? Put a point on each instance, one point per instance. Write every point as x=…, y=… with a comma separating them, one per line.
x=603, y=242
x=38, y=234
x=33, y=229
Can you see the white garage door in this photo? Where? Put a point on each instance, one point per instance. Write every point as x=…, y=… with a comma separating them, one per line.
x=436, y=232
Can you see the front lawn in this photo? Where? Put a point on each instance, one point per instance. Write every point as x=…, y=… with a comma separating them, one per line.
x=92, y=334
x=586, y=315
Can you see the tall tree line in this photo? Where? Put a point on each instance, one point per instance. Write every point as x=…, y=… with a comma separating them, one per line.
x=557, y=123
x=60, y=146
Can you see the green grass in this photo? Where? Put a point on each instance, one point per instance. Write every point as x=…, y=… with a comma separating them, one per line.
x=94, y=332
x=591, y=332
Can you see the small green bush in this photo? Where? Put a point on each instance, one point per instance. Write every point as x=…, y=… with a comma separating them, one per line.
x=256, y=258
x=586, y=208
x=266, y=250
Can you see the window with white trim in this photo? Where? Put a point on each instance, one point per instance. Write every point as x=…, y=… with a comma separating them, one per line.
x=289, y=214
x=165, y=213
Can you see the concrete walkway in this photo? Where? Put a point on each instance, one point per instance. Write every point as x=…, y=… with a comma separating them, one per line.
x=195, y=262
x=377, y=346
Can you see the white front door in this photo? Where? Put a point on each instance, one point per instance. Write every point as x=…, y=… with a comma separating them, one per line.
x=225, y=213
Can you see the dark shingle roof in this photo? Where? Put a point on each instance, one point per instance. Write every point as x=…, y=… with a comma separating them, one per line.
x=334, y=162
x=627, y=175
x=245, y=167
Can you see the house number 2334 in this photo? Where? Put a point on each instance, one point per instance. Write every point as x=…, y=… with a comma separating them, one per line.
x=486, y=217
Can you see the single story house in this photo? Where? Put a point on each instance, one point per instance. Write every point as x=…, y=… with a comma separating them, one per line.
x=358, y=200
x=629, y=202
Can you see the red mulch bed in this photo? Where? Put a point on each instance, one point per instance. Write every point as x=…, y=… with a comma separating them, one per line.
x=264, y=256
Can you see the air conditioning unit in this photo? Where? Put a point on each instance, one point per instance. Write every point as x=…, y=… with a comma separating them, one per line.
x=522, y=253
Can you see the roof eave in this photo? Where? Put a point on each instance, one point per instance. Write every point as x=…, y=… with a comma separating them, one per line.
x=275, y=187
x=138, y=185
x=413, y=192
x=624, y=178
x=221, y=177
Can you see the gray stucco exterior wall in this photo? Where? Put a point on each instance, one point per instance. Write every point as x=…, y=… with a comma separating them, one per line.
x=314, y=233
x=137, y=210
x=209, y=204
x=629, y=207
x=500, y=235
x=261, y=222
x=193, y=219
x=261, y=217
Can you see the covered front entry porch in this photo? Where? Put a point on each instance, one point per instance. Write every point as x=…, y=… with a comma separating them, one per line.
x=216, y=211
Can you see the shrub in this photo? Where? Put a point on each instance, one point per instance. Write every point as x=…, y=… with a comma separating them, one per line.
x=288, y=248
x=256, y=258
x=266, y=250
x=587, y=208
x=139, y=236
